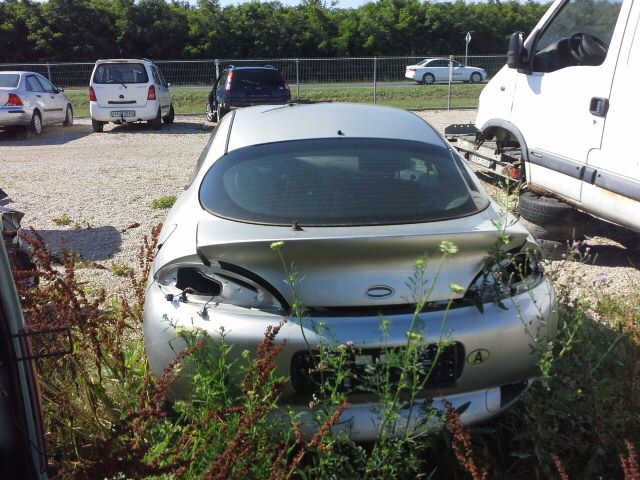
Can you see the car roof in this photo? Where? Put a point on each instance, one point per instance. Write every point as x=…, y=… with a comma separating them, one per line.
x=233, y=67
x=19, y=72
x=123, y=60
x=268, y=124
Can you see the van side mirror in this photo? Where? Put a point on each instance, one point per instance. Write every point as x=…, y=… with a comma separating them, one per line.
x=516, y=53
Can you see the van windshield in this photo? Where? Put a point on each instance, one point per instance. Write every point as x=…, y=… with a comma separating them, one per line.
x=120, y=73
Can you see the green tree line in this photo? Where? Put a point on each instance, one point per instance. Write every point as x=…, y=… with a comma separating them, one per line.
x=84, y=30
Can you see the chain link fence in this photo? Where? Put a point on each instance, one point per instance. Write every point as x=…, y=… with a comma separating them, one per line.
x=379, y=78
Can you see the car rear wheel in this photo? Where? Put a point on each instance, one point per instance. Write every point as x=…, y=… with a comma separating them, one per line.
x=428, y=78
x=156, y=123
x=476, y=77
x=35, y=126
x=68, y=117
x=169, y=117
x=97, y=126
x=211, y=114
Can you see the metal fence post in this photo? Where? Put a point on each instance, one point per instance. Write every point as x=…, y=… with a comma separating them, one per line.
x=217, y=63
x=49, y=73
x=298, y=78
x=450, y=78
x=375, y=80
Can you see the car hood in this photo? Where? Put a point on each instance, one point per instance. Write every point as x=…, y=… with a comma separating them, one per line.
x=357, y=266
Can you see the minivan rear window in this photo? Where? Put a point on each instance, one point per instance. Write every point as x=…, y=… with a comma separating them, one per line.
x=254, y=78
x=9, y=80
x=120, y=73
x=340, y=182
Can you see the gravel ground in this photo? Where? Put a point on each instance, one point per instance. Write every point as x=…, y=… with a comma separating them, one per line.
x=105, y=183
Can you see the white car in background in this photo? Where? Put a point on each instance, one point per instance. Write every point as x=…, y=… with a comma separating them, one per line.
x=432, y=70
x=128, y=90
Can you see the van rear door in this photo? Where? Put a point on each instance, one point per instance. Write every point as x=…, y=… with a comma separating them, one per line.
x=121, y=85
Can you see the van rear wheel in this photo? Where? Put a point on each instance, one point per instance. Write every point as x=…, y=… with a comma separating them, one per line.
x=156, y=123
x=169, y=117
x=97, y=126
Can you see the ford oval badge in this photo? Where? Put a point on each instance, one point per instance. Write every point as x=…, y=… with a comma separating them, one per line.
x=378, y=291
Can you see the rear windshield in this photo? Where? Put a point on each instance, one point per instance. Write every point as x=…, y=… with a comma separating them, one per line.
x=9, y=80
x=338, y=182
x=120, y=73
x=256, y=78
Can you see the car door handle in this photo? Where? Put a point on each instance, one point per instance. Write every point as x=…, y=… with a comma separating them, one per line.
x=39, y=96
x=599, y=106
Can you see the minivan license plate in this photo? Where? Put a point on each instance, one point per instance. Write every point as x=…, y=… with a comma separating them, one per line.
x=123, y=113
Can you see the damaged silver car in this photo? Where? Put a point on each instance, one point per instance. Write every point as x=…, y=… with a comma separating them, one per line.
x=353, y=196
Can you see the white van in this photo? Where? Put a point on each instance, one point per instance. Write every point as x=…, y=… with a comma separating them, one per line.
x=128, y=90
x=562, y=111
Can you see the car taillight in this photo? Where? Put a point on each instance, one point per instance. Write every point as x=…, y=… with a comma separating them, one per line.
x=14, y=101
x=151, y=95
x=412, y=69
x=92, y=95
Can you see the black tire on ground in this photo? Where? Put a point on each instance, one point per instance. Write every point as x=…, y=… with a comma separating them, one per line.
x=35, y=126
x=210, y=112
x=476, y=77
x=68, y=117
x=169, y=117
x=428, y=78
x=550, y=219
x=556, y=232
x=156, y=123
x=543, y=210
x=97, y=126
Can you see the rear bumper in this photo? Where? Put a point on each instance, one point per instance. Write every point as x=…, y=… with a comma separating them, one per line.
x=411, y=76
x=488, y=385
x=253, y=102
x=103, y=114
x=14, y=116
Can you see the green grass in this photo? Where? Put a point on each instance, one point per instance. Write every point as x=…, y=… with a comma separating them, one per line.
x=164, y=202
x=414, y=97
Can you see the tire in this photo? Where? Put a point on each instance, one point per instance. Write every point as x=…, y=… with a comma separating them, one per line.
x=97, y=126
x=475, y=78
x=156, y=123
x=169, y=117
x=35, y=126
x=220, y=112
x=428, y=78
x=68, y=117
x=550, y=219
x=211, y=114
x=557, y=232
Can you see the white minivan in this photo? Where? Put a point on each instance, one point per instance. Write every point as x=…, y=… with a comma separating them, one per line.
x=129, y=90
x=563, y=112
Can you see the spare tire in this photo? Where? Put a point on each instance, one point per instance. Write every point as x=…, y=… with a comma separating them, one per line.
x=550, y=219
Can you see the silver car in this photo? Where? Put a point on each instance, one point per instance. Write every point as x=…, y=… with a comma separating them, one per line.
x=356, y=194
x=29, y=100
x=432, y=70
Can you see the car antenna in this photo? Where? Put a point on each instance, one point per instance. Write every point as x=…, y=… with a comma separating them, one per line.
x=296, y=226
x=341, y=133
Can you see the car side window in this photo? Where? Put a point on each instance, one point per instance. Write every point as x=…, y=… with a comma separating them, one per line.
x=33, y=85
x=578, y=35
x=156, y=76
x=222, y=80
x=46, y=85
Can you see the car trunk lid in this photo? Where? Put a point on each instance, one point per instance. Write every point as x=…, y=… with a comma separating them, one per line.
x=354, y=267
